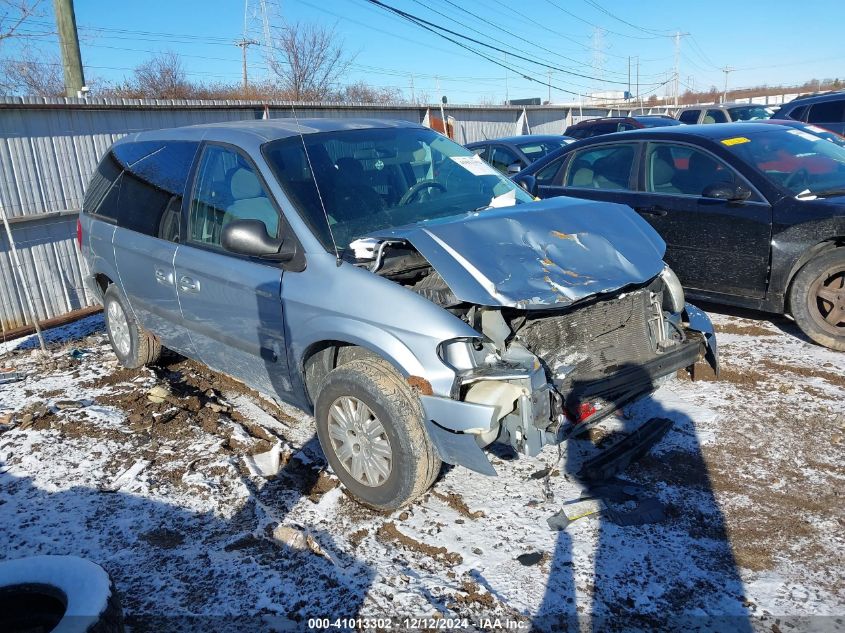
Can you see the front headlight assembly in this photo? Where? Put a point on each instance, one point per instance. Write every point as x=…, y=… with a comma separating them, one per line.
x=673, y=292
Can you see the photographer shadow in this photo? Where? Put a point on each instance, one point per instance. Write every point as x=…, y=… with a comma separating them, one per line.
x=674, y=571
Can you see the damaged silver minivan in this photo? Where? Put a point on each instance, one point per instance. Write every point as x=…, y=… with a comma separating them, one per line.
x=385, y=278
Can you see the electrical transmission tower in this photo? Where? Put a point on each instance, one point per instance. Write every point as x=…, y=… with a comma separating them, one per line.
x=259, y=15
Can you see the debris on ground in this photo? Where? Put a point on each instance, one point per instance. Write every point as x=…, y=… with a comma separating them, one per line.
x=190, y=533
x=573, y=511
x=266, y=464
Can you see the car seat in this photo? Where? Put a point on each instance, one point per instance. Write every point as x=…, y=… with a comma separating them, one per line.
x=353, y=197
x=250, y=202
x=663, y=171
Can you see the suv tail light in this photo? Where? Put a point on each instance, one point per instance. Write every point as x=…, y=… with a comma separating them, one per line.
x=79, y=233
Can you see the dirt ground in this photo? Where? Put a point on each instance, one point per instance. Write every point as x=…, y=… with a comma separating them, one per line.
x=148, y=473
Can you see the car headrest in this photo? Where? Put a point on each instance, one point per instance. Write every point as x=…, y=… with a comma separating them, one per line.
x=661, y=171
x=245, y=184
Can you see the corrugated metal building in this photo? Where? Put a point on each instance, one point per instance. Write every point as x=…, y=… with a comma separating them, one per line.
x=50, y=147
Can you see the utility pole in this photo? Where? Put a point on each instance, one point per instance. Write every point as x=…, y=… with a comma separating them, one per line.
x=638, y=77
x=629, y=78
x=69, y=43
x=244, y=44
x=678, y=36
x=413, y=93
x=550, y=87
x=507, y=96
x=727, y=70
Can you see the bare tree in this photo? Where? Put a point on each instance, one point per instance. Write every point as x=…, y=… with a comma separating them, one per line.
x=309, y=60
x=32, y=73
x=163, y=77
x=13, y=15
x=361, y=92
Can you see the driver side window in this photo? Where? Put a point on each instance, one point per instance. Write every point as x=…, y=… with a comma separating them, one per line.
x=227, y=188
x=501, y=158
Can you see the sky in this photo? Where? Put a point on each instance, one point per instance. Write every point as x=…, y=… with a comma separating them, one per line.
x=577, y=46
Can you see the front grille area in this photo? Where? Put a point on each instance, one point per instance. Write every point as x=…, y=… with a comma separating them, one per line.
x=594, y=340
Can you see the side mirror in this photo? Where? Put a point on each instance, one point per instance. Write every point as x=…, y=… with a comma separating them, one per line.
x=527, y=182
x=726, y=191
x=514, y=168
x=250, y=237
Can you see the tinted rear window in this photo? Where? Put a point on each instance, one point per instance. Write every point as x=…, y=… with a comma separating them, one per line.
x=689, y=116
x=103, y=190
x=152, y=186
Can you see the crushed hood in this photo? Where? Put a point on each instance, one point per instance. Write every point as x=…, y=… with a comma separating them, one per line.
x=543, y=254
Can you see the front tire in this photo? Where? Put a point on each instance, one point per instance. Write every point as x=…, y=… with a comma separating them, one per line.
x=817, y=299
x=371, y=427
x=132, y=344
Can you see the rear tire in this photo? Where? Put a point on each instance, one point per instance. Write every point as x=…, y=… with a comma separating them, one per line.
x=817, y=299
x=371, y=427
x=132, y=344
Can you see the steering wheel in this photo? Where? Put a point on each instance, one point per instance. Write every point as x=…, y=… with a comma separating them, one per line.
x=793, y=179
x=414, y=191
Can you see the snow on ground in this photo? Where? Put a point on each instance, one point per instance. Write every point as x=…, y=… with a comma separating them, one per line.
x=158, y=493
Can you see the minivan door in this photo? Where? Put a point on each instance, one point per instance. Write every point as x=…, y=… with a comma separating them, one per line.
x=147, y=235
x=230, y=303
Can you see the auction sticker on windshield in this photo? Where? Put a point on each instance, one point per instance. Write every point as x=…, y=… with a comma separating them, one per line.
x=736, y=140
x=474, y=165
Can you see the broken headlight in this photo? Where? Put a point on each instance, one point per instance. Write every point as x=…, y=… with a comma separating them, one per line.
x=673, y=293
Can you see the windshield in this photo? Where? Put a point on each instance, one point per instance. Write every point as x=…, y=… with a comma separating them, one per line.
x=801, y=162
x=751, y=113
x=381, y=178
x=537, y=149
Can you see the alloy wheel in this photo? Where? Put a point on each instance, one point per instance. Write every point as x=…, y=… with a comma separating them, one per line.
x=359, y=441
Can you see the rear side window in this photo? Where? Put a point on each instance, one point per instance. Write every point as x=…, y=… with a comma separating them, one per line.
x=603, y=167
x=798, y=113
x=715, y=116
x=689, y=116
x=827, y=112
x=152, y=186
x=501, y=158
x=103, y=191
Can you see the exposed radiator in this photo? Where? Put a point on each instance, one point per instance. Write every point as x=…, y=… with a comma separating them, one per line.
x=593, y=340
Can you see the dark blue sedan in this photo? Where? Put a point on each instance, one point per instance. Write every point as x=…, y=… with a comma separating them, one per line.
x=752, y=214
x=511, y=154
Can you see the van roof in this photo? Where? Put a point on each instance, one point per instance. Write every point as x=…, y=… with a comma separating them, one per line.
x=265, y=129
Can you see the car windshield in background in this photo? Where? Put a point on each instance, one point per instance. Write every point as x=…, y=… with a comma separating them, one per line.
x=751, y=113
x=657, y=121
x=801, y=162
x=536, y=150
x=380, y=178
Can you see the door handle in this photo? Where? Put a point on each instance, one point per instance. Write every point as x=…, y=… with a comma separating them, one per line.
x=163, y=277
x=651, y=210
x=186, y=284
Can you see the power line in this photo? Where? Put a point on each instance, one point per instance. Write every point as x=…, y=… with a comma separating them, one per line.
x=596, y=26
x=436, y=29
x=654, y=32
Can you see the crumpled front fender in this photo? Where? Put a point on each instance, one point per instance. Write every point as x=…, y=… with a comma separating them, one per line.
x=700, y=322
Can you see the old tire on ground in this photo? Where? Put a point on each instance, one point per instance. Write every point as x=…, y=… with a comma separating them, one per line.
x=66, y=593
x=817, y=299
x=371, y=428
x=132, y=344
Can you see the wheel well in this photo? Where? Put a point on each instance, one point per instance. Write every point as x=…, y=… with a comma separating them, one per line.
x=103, y=282
x=810, y=253
x=322, y=357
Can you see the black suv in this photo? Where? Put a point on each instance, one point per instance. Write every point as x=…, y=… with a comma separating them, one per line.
x=825, y=110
